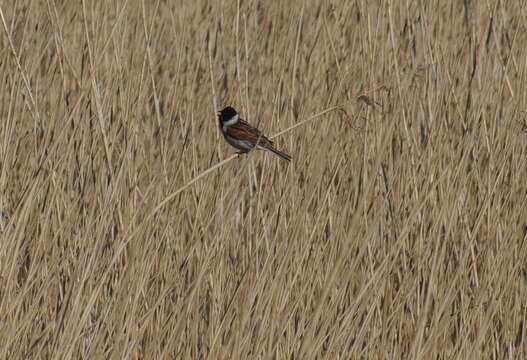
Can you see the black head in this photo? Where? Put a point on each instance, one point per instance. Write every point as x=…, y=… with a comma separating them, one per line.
x=227, y=114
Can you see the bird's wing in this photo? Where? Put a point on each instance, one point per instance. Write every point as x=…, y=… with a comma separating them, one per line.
x=244, y=131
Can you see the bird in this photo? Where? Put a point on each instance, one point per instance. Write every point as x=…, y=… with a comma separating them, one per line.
x=244, y=136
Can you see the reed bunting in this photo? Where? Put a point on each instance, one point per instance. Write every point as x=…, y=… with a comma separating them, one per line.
x=243, y=136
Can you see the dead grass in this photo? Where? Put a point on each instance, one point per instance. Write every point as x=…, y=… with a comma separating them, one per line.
x=131, y=232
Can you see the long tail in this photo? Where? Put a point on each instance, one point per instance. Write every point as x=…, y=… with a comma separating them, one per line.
x=276, y=153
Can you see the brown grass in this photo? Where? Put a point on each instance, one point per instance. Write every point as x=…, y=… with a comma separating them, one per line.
x=130, y=231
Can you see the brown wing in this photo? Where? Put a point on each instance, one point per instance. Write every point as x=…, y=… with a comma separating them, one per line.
x=243, y=131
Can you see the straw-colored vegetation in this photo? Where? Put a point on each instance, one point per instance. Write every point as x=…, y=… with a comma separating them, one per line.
x=131, y=231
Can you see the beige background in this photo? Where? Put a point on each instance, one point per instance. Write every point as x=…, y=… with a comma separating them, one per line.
x=398, y=231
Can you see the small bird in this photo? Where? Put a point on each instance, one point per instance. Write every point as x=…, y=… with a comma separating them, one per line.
x=243, y=136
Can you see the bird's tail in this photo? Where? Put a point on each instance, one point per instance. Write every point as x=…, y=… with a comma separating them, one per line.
x=275, y=152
